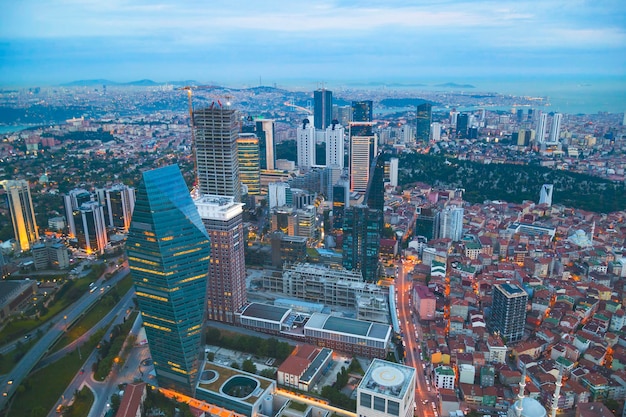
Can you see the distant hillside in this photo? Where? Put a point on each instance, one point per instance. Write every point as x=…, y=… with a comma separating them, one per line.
x=512, y=183
x=99, y=82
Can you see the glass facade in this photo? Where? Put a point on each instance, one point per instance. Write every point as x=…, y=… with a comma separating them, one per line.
x=168, y=251
x=361, y=240
x=423, y=121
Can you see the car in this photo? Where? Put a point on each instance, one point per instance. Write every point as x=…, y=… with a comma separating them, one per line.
x=10, y=382
x=5, y=394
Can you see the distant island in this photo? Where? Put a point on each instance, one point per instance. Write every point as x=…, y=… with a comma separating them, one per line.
x=455, y=85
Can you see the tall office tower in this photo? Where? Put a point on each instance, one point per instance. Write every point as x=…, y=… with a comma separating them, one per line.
x=284, y=219
x=216, y=131
x=341, y=201
x=307, y=226
x=375, y=195
x=223, y=219
x=423, y=121
x=519, y=115
x=524, y=137
x=360, y=162
x=344, y=115
x=267, y=144
x=361, y=240
x=545, y=196
x=393, y=172
x=508, y=311
x=362, y=117
x=555, y=129
x=168, y=251
x=462, y=125
x=454, y=116
x=22, y=213
x=322, y=108
x=305, y=142
x=118, y=202
x=72, y=201
x=335, y=148
x=91, y=227
x=451, y=223
x=540, y=135
x=427, y=223
x=435, y=131
x=331, y=175
x=387, y=390
x=279, y=194
x=249, y=162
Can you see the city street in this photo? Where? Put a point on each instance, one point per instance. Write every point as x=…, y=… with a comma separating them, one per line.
x=425, y=394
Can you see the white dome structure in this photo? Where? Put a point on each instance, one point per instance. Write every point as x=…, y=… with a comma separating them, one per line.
x=530, y=408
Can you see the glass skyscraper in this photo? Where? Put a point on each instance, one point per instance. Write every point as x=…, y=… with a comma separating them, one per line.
x=361, y=240
x=168, y=251
x=424, y=118
x=322, y=108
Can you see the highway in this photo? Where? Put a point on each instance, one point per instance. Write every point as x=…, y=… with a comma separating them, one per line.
x=58, y=326
x=425, y=394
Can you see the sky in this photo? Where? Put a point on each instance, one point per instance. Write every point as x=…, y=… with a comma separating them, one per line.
x=291, y=41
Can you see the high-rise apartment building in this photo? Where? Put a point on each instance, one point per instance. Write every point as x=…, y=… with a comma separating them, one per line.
x=545, y=195
x=322, y=108
x=168, y=251
x=118, y=202
x=22, y=213
x=216, y=131
x=335, y=148
x=423, y=121
x=279, y=194
x=362, y=151
x=223, y=219
x=508, y=311
x=91, y=227
x=72, y=201
x=462, y=125
x=393, y=172
x=305, y=143
x=555, y=129
x=435, y=131
x=248, y=155
x=361, y=240
x=451, y=223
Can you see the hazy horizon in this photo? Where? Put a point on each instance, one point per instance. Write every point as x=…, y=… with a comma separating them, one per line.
x=58, y=41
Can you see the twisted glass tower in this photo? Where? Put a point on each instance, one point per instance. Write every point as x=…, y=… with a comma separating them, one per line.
x=168, y=251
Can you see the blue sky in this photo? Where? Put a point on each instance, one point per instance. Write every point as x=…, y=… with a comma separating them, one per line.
x=292, y=41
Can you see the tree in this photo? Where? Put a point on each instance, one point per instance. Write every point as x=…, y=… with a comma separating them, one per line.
x=248, y=366
x=115, y=402
x=234, y=365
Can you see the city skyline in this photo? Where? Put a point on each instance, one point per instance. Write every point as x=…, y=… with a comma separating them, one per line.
x=61, y=41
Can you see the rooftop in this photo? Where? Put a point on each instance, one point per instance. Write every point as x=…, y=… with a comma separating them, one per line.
x=265, y=312
x=388, y=378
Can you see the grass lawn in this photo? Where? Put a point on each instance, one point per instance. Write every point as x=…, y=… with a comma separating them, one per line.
x=42, y=389
x=82, y=404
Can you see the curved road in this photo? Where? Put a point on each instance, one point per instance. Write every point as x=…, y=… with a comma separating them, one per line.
x=40, y=348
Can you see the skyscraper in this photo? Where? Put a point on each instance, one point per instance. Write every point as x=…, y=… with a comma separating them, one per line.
x=305, y=143
x=223, y=219
x=91, y=227
x=423, y=121
x=216, y=131
x=118, y=202
x=361, y=240
x=322, y=108
x=540, y=136
x=168, y=251
x=508, y=311
x=462, y=125
x=435, y=132
x=360, y=159
x=22, y=213
x=267, y=144
x=335, y=150
x=362, y=117
x=393, y=172
x=375, y=195
x=249, y=162
x=555, y=129
x=341, y=201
